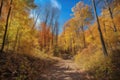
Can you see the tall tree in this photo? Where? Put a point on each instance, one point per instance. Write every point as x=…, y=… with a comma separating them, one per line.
x=16, y=40
x=111, y=15
x=99, y=30
x=83, y=15
x=6, y=26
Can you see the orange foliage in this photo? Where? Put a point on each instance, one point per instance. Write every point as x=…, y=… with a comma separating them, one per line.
x=45, y=35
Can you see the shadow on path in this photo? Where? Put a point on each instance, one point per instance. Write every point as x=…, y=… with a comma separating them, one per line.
x=65, y=70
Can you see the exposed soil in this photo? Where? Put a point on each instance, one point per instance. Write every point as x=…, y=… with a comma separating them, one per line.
x=65, y=70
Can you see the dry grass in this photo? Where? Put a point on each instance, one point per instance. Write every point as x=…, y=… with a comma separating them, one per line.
x=22, y=67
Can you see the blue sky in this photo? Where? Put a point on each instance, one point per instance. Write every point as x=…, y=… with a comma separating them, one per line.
x=64, y=6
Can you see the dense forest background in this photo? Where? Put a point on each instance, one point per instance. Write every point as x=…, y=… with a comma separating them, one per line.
x=29, y=41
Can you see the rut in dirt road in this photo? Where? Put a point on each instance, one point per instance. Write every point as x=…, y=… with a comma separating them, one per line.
x=65, y=70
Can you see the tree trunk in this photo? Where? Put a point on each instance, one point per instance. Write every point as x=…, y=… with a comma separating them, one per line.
x=35, y=22
x=99, y=30
x=84, y=42
x=16, y=40
x=6, y=27
x=19, y=41
x=1, y=6
x=111, y=15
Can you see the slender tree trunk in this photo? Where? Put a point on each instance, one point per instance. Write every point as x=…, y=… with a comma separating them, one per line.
x=1, y=6
x=111, y=15
x=35, y=21
x=7, y=37
x=16, y=40
x=57, y=32
x=84, y=42
x=114, y=26
x=6, y=27
x=52, y=26
x=74, y=46
x=44, y=36
x=19, y=41
x=99, y=30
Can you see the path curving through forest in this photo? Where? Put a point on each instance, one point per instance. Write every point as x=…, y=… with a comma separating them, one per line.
x=65, y=70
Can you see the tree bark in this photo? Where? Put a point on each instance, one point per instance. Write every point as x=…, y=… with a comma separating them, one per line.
x=6, y=27
x=84, y=41
x=111, y=15
x=16, y=40
x=1, y=6
x=99, y=30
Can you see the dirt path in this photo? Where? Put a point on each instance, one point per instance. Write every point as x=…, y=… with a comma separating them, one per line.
x=65, y=70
